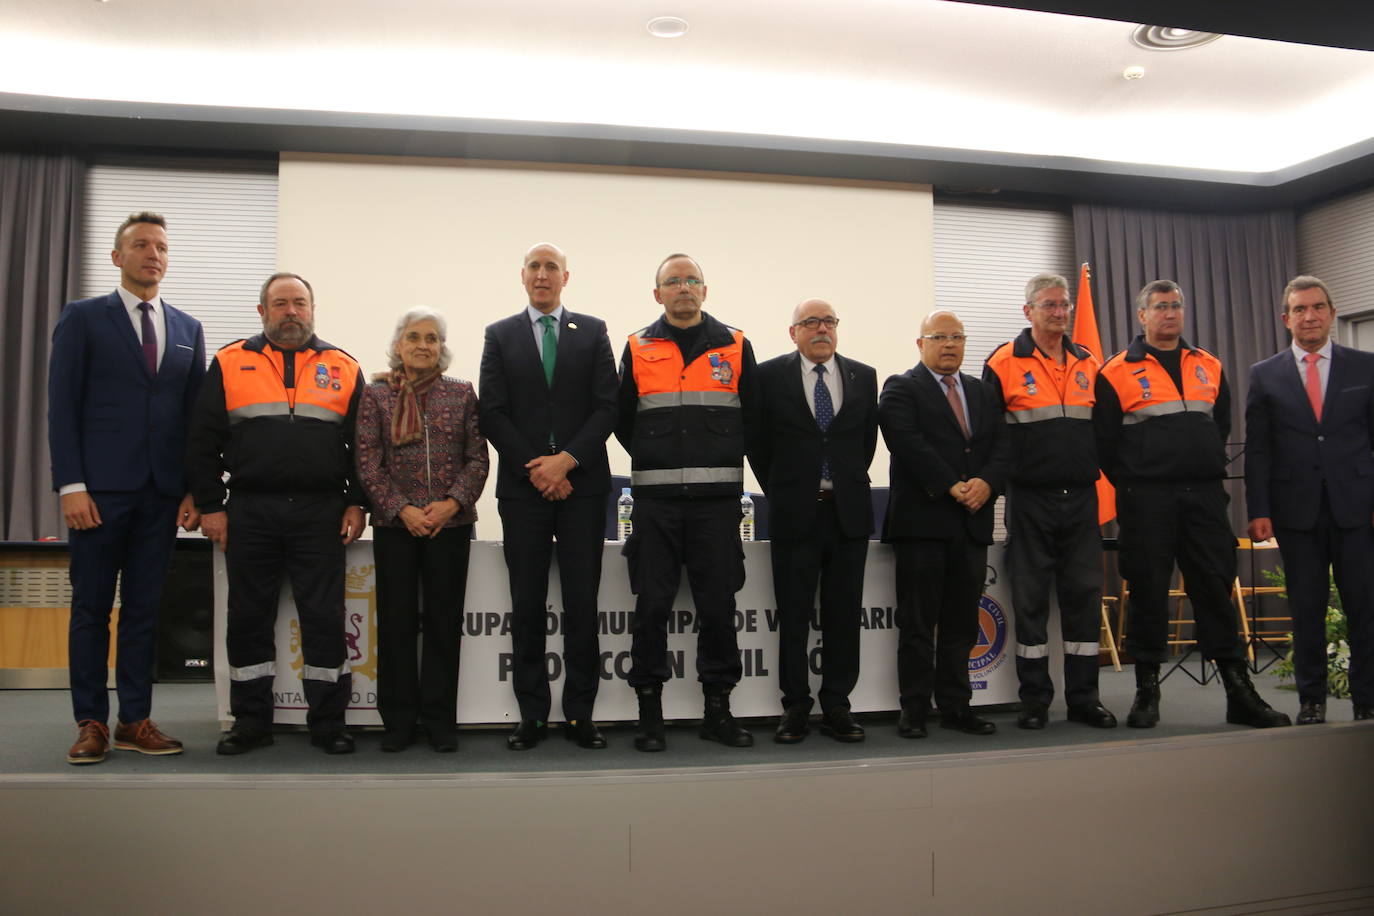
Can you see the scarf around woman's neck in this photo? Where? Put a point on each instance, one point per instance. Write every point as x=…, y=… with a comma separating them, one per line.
x=406, y=422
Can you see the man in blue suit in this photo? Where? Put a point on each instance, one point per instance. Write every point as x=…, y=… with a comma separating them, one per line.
x=123, y=376
x=1309, y=480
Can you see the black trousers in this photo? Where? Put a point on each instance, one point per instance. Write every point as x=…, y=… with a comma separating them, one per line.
x=836, y=563
x=703, y=535
x=1308, y=558
x=1053, y=539
x=1185, y=524
x=534, y=529
x=421, y=586
x=135, y=539
x=939, y=583
x=297, y=537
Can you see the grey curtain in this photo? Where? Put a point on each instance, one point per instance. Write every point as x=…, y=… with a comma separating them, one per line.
x=1232, y=268
x=40, y=217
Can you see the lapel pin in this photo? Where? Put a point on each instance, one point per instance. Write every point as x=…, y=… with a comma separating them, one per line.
x=572, y=325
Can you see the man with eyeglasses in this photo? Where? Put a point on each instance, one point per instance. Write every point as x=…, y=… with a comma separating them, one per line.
x=1162, y=416
x=684, y=381
x=811, y=434
x=1043, y=383
x=950, y=459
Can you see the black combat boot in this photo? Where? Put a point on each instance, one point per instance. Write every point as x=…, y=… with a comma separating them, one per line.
x=650, y=737
x=718, y=724
x=1145, y=710
x=1243, y=704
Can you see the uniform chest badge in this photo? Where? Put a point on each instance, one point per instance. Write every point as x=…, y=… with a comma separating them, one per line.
x=721, y=370
x=1029, y=382
x=1201, y=374
x=1081, y=380
x=321, y=375
x=1145, y=393
x=334, y=381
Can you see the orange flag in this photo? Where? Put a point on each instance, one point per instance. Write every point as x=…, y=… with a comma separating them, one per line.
x=1085, y=333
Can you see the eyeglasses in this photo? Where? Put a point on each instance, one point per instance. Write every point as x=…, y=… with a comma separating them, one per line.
x=941, y=338
x=1054, y=306
x=1165, y=306
x=675, y=282
x=812, y=324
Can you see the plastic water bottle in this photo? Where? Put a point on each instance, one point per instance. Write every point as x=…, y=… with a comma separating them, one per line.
x=624, y=508
x=746, y=522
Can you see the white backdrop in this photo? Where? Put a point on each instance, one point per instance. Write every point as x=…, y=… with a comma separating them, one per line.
x=484, y=690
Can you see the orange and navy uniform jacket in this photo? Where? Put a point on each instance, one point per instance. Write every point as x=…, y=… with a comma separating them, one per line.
x=279, y=422
x=1049, y=409
x=1151, y=428
x=681, y=414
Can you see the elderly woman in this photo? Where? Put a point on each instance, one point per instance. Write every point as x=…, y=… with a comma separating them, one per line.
x=423, y=463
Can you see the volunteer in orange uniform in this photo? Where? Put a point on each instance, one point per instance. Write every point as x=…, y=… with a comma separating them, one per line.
x=278, y=412
x=1044, y=382
x=1162, y=416
x=682, y=383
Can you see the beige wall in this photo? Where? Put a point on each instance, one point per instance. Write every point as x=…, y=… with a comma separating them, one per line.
x=378, y=235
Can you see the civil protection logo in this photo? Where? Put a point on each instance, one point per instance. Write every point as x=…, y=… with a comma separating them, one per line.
x=990, y=646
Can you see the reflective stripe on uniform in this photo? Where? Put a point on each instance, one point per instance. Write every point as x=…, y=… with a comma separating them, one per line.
x=332, y=675
x=253, y=672
x=1165, y=408
x=1082, y=648
x=669, y=476
x=315, y=412
x=264, y=409
x=1051, y=412
x=1040, y=651
x=689, y=399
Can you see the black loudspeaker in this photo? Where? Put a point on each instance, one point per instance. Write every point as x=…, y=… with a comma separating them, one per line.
x=186, y=617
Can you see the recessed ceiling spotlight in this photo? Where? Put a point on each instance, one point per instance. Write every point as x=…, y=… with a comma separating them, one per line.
x=667, y=27
x=1133, y=73
x=1164, y=38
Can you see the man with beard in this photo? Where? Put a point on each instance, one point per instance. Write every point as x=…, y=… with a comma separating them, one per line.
x=278, y=412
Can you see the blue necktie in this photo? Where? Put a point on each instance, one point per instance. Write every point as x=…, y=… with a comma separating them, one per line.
x=825, y=413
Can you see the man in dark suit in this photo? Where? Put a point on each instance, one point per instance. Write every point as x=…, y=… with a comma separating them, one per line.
x=123, y=376
x=1309, y=479
x=548, y=404
x=950, y=459
x=811, y=439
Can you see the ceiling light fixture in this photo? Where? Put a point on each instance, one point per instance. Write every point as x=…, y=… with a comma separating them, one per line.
x=1133, y=73
x=1164, y=38
x=667, y=27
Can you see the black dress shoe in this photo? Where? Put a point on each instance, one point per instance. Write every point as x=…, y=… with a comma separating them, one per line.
x=339, y=742
x=443, y=742
x=794, y=725
x=968, y=722
x=1033, y=716
x=585, y=733
x=1094, y=714
x=910, y=725
x=240, y=741
x=839, y=724
x=1313, y=712
x=1363, y=711
x=395, y=740
x=527, y=734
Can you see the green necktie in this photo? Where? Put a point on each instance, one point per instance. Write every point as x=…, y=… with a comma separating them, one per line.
x=550, y=348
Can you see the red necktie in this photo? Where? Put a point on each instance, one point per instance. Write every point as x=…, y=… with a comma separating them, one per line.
x=149, y=337
x=1314, y=384
x=956, y=403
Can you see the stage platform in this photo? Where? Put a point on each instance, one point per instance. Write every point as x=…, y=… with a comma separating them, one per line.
x=1194, y=816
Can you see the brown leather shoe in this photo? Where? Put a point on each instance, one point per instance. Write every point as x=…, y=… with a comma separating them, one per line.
x=91, y=744
x=144, y=737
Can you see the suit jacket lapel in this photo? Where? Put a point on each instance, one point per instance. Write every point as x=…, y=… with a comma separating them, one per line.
x=926, y=382
x=124, y=329
x=795, y=386
x=971, y=402
x=526, y=352
x=1334, y=379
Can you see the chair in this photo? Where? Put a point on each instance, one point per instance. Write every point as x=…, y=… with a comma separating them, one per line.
x=1261, y=629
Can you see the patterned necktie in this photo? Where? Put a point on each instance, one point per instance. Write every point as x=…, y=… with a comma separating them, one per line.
x=956, y=403
x=550, y=348
x=149, y=336
x=1314, y=384
x=825, y=413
